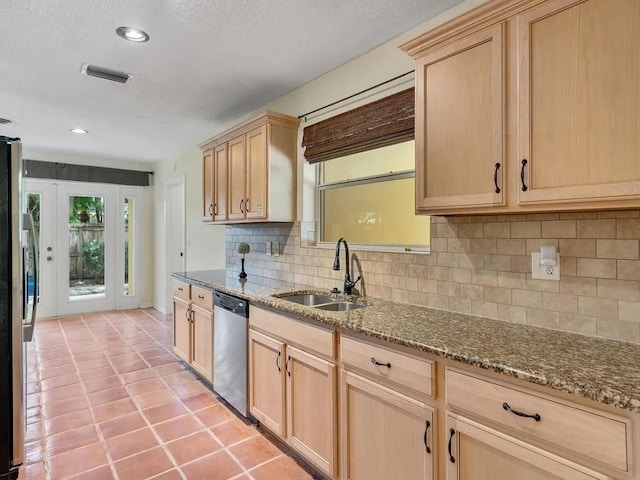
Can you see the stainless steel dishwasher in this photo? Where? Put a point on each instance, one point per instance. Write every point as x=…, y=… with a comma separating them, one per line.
x=230, y=327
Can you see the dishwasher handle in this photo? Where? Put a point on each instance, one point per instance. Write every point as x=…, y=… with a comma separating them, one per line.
x=232, y=304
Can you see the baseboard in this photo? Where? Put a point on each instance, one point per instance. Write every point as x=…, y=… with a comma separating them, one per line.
x=159, y=308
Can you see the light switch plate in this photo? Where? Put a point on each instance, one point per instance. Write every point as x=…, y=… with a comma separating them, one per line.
x=269, y=249
x=544, y=272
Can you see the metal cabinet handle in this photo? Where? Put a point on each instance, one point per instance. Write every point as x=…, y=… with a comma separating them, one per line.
x=180, y=288
x=286, y=366
x=241, y=203
x=495, y=177
x=524, y=187
x=215, y=209
x=278, y=361
x=246, y=205
x=375, y=362
x=211, y=209
x=452, y=432
x=186, y=315
x=535, y=416
x=200, y=297
x=427, y=424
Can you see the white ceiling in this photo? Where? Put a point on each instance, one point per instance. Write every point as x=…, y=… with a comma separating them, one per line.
x=208, y=62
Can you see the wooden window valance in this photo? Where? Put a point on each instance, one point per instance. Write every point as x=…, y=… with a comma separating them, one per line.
x=384, y=122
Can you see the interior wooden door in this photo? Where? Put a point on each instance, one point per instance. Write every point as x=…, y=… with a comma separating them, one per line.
x=266, y=381
x=182, y=329
x=257, y=173
x=579, y=109
x=476, y=452
x=207, y=186
x=202, y=355
x=311, y=408
x=460, y=101
x=220, y=182
x=237, y=178
x=385, y=434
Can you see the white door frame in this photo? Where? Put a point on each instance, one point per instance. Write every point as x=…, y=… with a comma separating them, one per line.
x=178, y=181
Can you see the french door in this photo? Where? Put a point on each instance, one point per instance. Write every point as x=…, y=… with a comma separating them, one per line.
x=90, y=245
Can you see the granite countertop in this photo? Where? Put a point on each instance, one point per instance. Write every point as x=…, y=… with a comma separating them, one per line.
x=606, y=371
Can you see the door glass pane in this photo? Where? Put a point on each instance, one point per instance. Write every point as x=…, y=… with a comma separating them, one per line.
x=129, y=246
x=33, y=207
x=86, y=247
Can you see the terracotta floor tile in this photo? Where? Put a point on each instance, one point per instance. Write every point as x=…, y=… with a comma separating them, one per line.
x=102, y=384
x=70, y=421
x=282, y=468
x=56, y=362
x=33, y=400
x=131, y=366
x=100, y=473
x=163, y=359
x=144, y=386
x=56, y=382
x=109, y=395
x=200, y=401
x=179, y=378
x=61, y=407
x=131, y=443
x=255, y=451
x=33, y=387
x=124, y=358
x=97, y=373
x=93, y=364
x=218, y=466
x=170, y=475
x=143, y=465
x=154, y=351
x=160, y=413
x=133, y=377
x=62, y=393
x=57, y=371
x=169, y=368
x=77, y=461
x=34, y=414
x=123, y=424
x=72, y=439
x=214, y=415
x=157, y=397
x=110, y=410
x=89, y=356
x=33, y=452
x=177, y=427
x=233, y=431
x=192, y=447
x=189, y=389
x=116, y=348
x=35, y=471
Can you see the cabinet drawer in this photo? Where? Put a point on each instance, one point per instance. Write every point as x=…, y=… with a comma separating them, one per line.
x=181, y=290
x=202, y=297
x=296, y=332
x=406, y=371
x=571, y=427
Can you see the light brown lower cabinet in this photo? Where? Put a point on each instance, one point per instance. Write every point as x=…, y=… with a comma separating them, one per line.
x=385, y=434
x=181, y=329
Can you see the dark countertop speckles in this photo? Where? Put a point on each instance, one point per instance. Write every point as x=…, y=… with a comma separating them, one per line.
x=606, y=371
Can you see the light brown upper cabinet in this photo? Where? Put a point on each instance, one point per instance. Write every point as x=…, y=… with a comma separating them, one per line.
x=253, y=171
x=529, y=105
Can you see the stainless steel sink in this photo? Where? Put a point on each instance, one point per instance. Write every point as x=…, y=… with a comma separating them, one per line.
x=339, y=306
x=309, y=299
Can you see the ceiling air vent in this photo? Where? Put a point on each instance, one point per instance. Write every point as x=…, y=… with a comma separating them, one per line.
x=4, y=121
x=106, y=74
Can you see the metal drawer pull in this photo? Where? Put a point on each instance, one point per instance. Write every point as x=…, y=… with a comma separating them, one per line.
x=427, y=424
x=180, y=288
x=286, y=366
x=535, y=416
x=452, y=432
x=278, y=361
x=241, y=203
x=375, y=362
x=495, y=178
x=524, y=187
x=201, y=297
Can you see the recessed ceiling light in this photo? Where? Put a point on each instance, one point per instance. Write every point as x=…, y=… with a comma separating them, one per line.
x=79, y=130
x=132, y=34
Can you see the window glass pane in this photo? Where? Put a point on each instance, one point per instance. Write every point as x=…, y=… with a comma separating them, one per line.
x=33, y=207
x=394, y=158
x=129, y=246
x=381, y=213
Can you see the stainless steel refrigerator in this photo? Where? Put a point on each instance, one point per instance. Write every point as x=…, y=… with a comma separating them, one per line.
x=18, y=298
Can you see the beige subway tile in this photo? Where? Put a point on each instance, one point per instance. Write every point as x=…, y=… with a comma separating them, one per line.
x=526, y=230
x=577, y=215
x=619, y=249
x=497, y=230
x=559, y=229
x=521, y=264
x=475, y=260
x=568, y=266
x=484, y=277
x=619, y=330
x=439, y=244
x=447, y=259
x=470, y=230
x=619, y=214
x=583, y=286
x=482, y=219
x=483, y=245
x=473, y=292
x=543, y=285
x=585, y=248
x=458, y=245
x=400, y=296
x=484, y=309
x=512, y=280
x=628, y=311
x=511, y=246
x=417, y=271
x=598, y=268
x=497, y=262
x=439, y=219
x=438, y=273
x=511, y=218
x=598, y=307
x=534, y=244
x=512, y=313
x=542, y=217
x=628, y=269
x=445, y=230
x=450, y=289
x=399, y=269
x=438, y=301
x=619, y=289
x=543, y=318
x=461, y=305
x=460, y=275
x=560, y=302
x=497, y=294
x=391, y=281
x=427, y=285
x=526, y=298
x=417, y=298
x=596, y=228
x=577, y=323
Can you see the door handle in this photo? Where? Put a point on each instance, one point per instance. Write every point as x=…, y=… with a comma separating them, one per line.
x=427, y=424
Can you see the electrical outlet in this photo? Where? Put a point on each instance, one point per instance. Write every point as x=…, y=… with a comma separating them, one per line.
x=275, y=249
x=544, y=272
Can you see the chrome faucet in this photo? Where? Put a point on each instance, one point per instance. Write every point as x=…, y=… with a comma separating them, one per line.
x=348, y=284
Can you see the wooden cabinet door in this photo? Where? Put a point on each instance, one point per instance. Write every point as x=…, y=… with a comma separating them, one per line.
x=182, y=329
x=220, y=182
x=266, y=381
x=237, y=178
x=257, y=173
x=208, y=181
x=579, y=106
x=476, y=452
x=312, y=409
x=460, y=103
x=384, y=434
x=202, y=354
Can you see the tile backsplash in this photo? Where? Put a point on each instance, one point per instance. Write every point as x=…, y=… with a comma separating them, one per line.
x=481, y=265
